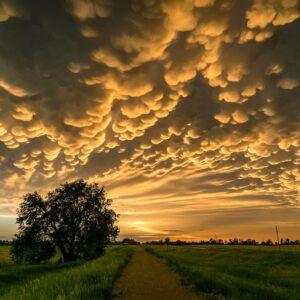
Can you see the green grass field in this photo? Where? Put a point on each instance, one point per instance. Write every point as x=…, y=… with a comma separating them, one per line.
x=4, y=255
x=217, y=272
x=78, y=280
x=237, y=272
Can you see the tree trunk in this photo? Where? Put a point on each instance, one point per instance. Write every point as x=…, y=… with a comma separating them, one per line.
x=63, y=251
x=71, y=252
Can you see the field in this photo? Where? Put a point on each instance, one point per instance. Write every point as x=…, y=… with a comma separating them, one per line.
x=89, y=280
x=4, y=255
x=214, y=272
x=236, y=272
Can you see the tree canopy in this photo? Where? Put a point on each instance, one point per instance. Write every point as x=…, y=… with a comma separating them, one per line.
x=75, y=218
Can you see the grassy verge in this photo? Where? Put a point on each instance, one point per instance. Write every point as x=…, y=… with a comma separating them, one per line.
x=90, y=280
x=236, y=272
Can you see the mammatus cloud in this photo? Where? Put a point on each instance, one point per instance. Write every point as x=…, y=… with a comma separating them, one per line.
x=176, y=106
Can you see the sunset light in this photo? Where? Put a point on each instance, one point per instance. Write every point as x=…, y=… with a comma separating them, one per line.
x=186, y=111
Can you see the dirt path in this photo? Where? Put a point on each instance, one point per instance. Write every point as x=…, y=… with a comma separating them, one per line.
x=145, y=278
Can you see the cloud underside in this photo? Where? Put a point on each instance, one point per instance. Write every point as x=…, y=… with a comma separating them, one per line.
x=175, y=106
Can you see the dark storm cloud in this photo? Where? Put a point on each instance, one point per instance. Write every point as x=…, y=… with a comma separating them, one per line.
x=148, y=96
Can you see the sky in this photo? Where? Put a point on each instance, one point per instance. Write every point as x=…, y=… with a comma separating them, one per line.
x=187, y=111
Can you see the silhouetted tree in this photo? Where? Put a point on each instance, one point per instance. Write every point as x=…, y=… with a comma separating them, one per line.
x=75, y=218
x=267, y=243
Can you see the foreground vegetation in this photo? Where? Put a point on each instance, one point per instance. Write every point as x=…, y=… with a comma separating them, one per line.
x=76, y=280
x=237, y=272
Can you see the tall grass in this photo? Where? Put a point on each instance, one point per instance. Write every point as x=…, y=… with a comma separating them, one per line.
x=91, y=280
x=237, y=273
x=12, y=275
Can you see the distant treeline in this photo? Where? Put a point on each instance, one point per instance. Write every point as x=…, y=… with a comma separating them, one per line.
x=167, y=241
x=127, y=241
x=235, y=241
x=5, y=242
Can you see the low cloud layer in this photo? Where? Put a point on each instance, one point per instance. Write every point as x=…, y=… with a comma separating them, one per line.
x=175, y=106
